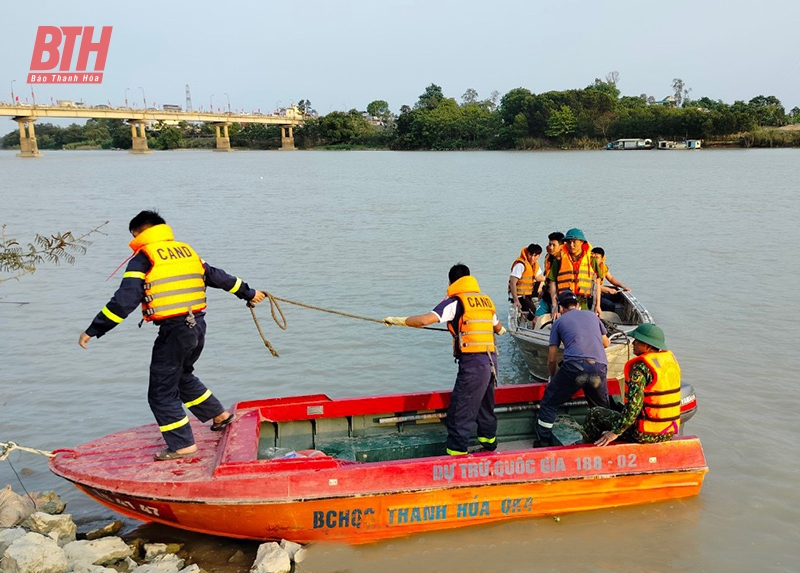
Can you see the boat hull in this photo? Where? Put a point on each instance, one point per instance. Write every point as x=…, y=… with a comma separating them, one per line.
x=367, y=519
x=231, y=489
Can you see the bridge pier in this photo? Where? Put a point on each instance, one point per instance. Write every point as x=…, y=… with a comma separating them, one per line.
x=27, y=138
x=223, y=141
x=287, y=141
x=139, y=137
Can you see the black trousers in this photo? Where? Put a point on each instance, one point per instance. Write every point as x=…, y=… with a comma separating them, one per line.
x=173, y=384
x=472, y=401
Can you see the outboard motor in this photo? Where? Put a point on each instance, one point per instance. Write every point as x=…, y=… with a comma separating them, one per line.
x=688, y=404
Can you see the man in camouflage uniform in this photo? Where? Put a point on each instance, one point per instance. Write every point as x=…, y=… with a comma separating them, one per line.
x=602, y=425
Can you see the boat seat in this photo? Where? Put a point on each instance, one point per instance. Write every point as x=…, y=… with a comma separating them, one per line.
x=540, y=320
x=610, y=316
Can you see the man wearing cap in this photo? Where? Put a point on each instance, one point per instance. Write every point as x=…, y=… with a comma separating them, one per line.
x=574, y=269
x=652, y=407
x=585, y=339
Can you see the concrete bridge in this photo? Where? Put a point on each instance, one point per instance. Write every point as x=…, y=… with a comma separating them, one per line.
x=25, y=115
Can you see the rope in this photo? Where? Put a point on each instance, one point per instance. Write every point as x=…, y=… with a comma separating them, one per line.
x=347, y=314
x=7, y=447
x=280, y=318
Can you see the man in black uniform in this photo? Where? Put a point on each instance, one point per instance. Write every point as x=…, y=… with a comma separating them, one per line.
x=169, y=280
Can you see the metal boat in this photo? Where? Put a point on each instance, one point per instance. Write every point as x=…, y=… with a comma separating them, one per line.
x=533, y=337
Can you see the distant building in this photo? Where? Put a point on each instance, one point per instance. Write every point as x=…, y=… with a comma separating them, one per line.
x=667, y=101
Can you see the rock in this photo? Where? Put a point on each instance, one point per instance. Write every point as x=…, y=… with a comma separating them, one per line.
x=106, y=531
x=194, y=568
x=9, y=536
x=153, y=550
x=290, y=547
x=14, y=508
x=300, y=555
x=271, y=558
x=237, y=557
x=168, y=563
x=49, y=502
x=34, y=553
x=84, y=568
x=136, y=547
x=103, y=551
x=60, y=528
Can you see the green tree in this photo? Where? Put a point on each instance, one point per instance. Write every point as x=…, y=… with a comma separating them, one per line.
x=768, y=111
x=430, y=98
x=561, y=123
x=605, y=87
x=470, y=96
x=380, y=109
x=169, y=138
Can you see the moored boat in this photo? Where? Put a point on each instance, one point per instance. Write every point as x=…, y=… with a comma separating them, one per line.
x=371, y=468
x=533, y=338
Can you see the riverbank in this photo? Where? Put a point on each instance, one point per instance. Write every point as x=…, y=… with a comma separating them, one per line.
x=36, y=536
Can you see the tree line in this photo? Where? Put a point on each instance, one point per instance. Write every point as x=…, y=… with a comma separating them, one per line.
x=578, y=118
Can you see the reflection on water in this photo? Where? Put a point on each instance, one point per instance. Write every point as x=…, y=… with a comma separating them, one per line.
x=374, y=234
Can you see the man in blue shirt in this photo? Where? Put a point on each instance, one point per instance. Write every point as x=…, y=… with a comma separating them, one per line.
x=585, y=364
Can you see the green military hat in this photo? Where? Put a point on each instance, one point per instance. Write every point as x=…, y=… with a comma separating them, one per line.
x=649, y=334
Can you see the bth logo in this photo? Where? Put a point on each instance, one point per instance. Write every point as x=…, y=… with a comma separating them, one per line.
x=49, y=54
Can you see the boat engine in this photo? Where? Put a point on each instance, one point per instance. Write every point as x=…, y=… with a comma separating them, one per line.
x=688, y=404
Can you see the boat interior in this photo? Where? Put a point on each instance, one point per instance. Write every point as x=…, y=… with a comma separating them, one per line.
x=385, y=435
x=626, y=316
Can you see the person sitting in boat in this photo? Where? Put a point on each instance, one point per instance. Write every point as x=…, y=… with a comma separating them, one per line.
x=585, y=364
x=652, y=409
x=169, y=280
x=554, y=246
x=471, y=319
x=608, y=296
x=575, y=270
x=526, y=279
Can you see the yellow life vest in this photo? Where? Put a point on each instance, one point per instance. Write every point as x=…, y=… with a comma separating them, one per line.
x=526, y=282
x=474, y=332
x=661, y=411
x=579, y=281
x=175, y=284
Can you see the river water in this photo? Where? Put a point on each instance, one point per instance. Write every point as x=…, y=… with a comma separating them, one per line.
x=697, y=235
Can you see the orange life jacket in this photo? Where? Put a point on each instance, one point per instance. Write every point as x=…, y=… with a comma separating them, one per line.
x=175, y=284
x=580, y=280
x=661, y=411
x=526, y=282
x=474, y=332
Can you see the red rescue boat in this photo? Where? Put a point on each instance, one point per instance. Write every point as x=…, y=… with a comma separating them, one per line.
x=358, y=470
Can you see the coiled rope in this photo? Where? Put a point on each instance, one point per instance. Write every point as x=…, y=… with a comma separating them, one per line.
x=276, y=312
x=7, y=447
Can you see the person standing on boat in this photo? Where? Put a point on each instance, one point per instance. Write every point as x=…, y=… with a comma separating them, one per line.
x=575, y=270
x=471, y=319
x=608, y=296
x=585, y=364
x=169, y=280
x=652, y=409
x=554, y=246
x=526, y=277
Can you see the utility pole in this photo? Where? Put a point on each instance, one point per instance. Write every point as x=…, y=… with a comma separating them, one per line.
x=188, y=99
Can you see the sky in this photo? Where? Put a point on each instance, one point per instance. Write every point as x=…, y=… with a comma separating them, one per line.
x=343, y=54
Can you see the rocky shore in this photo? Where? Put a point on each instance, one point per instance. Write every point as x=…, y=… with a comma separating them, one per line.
x=36, y=536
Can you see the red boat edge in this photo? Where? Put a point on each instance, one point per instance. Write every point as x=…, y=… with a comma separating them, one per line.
x=372, y=477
